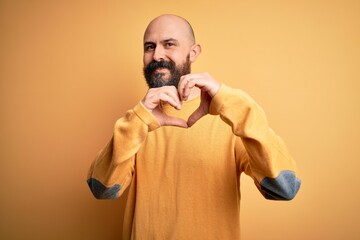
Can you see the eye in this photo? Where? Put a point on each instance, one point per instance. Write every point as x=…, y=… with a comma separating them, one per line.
x=149, y=47
x=169, y=44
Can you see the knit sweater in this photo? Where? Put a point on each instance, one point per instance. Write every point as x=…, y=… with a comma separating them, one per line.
x=185, y=183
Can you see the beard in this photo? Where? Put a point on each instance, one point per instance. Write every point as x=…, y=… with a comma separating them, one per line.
x=158, y=79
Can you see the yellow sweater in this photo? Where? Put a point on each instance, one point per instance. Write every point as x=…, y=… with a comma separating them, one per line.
x=184, y=183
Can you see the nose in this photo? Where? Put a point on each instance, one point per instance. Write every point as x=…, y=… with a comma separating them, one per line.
x=159, y=54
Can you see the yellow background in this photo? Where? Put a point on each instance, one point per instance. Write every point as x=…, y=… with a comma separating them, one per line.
x=69, y=69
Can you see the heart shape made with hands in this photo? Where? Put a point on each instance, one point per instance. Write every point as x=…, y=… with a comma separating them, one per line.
x=200, y=111
x=155, y=96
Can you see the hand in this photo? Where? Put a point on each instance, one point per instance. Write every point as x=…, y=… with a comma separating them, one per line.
x=208, y=86
x=153, y=102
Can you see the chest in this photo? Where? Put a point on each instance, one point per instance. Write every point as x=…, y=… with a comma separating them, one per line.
x=206, y=146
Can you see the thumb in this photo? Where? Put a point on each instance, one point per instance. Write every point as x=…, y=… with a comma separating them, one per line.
x=177, y=122
x=195, y=116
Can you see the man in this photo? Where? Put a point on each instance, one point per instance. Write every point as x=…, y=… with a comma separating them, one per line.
x=181, y=149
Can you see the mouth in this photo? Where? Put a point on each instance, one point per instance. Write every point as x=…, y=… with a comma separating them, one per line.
x=161, y=70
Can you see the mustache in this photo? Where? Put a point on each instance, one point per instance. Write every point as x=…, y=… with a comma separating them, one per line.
x=151, y=67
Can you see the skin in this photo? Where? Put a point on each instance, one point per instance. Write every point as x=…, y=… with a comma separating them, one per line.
x=169, y=37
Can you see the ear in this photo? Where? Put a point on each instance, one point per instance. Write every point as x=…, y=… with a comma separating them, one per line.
x=195, y=52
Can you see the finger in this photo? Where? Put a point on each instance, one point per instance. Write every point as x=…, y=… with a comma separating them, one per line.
x=203, y=81
x=195, y=116
x=177, y=122
x=191, y=83
x=175, y=96
x=187, y=89
x=181, y=86
x=164, y=97
x=184, y=87
x=166, y=120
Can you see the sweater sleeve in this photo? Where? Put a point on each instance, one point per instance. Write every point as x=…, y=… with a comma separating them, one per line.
x=111, y=171
x=260, y=153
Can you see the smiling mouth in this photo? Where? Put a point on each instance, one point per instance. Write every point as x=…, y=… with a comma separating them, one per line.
x=161, y=70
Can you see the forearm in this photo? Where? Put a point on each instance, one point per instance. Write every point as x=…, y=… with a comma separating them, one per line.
x=267, y=159
x=111, y=172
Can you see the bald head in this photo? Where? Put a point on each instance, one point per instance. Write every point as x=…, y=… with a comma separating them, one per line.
x=168, y=25
x=169, y=50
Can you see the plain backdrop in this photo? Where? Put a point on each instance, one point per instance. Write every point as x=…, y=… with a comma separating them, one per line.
x=69, y=69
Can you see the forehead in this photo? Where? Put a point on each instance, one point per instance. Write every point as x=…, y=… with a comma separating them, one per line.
x=165, y=28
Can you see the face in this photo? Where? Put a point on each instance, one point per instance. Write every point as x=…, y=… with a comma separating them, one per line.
x=168, y=52
x=165, y=73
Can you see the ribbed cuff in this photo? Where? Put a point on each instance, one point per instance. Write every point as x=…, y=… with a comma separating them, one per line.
x=146, y=116
x=219, y=99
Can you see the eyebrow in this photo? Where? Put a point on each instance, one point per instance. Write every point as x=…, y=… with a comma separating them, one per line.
x=163, y=41
x=148, y=43
x=169, y=40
